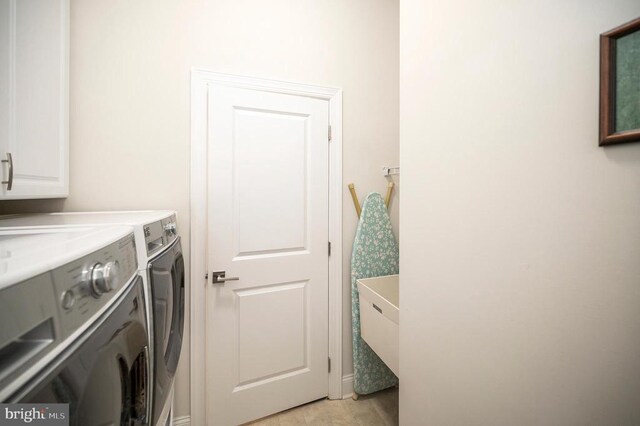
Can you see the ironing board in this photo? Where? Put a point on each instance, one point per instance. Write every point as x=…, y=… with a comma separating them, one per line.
x=375, y=253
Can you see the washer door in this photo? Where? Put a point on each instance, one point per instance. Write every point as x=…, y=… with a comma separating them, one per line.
x=105, y=379
x=167, y=283
x=174, y=342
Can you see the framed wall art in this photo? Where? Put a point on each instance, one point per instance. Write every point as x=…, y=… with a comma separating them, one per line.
x=620, y=84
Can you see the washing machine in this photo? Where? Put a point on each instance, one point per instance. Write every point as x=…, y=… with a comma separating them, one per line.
x=74, y=328
x=161, y=266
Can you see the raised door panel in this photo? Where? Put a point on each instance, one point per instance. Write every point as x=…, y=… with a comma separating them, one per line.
x=272, y=333
x=270, y=181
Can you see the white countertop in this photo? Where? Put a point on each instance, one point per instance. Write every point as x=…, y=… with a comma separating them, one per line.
x=28, y=253
x=83, y=218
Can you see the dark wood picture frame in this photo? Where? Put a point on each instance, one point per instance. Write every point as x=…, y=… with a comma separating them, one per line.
x=608, y=60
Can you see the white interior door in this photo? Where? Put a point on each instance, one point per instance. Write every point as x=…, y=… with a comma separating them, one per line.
x=267, y=332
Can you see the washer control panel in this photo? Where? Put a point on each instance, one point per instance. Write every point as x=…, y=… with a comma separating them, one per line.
x=160, y=234
x=87, y=284
x=170, y=228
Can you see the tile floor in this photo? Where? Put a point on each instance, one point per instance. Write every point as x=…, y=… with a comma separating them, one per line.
x=378, y=409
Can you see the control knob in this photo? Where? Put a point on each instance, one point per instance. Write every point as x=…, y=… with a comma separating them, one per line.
x=68, y=299
x=170, y=229
x=103, y=278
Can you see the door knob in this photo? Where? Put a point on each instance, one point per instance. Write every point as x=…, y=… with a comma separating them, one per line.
x=218, y=277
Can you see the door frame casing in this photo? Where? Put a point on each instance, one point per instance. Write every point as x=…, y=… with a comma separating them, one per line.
x=201, y=80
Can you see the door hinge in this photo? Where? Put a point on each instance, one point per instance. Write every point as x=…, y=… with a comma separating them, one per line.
x=329, y=248
x=206, y=276
x=329, y=133
x=329, y=364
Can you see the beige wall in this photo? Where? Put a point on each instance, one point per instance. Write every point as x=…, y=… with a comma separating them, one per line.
x=520, y=249
x=130, y=65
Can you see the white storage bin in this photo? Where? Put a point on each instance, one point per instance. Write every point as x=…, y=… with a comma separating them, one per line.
x=379, y=317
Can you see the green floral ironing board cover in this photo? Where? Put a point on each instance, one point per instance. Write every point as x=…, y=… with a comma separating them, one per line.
x=375, y=253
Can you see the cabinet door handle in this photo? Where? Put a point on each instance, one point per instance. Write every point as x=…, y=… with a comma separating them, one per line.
x=9, y=182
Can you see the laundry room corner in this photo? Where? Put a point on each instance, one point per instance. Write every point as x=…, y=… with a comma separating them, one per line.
x=129, y=104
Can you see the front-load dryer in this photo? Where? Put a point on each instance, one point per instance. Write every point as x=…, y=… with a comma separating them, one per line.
x=74, y=328
x=162, y=268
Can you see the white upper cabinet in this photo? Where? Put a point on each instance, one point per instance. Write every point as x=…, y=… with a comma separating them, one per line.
x=34, y=98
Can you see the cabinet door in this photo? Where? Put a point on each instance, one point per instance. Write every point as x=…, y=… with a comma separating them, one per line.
x=34, y=110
